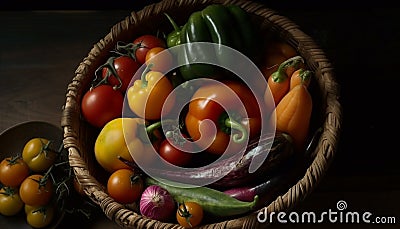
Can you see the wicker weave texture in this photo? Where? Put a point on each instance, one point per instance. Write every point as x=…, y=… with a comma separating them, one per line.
x=78, y=135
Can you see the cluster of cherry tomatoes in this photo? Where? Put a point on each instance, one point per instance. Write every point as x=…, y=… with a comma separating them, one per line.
x=27, y=185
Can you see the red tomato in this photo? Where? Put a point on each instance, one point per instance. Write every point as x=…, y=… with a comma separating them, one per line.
x=101, y=105
x=125, y=68
x=125, y=186
x=147, y=42
x=13, y=170
x=169, y=151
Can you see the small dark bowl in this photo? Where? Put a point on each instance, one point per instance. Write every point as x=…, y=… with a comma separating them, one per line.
x=12, y=141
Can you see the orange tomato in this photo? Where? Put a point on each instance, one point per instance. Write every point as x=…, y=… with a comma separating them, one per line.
x=125, y=186
x=13, y=170
x=36, y=190
x=160, y=58
x=189, y=214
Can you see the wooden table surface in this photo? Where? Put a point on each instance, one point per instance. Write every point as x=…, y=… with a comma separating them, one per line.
x=40, y=49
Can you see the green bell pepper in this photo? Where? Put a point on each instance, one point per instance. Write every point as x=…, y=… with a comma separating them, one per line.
x=226, y=25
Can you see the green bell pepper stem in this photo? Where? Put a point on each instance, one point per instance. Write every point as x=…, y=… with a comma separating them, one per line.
x=173, y=38
x=237, y=138
x=173, y=23
x=227, y=123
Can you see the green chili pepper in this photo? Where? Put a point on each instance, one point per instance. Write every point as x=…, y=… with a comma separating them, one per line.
x=213, y=201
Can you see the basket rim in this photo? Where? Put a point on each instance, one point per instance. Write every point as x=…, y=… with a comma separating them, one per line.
x=324, y=152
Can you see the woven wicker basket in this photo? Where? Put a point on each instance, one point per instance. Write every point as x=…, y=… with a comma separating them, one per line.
x=79, y=137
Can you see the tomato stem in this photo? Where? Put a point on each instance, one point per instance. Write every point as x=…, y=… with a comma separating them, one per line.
x=111, y=71
x=184, y=213
x=41, y=210
x=129, y=163
x=13, y=160
x=42, y=182
x=46, y=147
x=128, y=49
x=8, y=191
x=135, y=178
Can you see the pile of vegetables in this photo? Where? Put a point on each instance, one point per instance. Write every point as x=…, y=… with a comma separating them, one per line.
x=132, y=98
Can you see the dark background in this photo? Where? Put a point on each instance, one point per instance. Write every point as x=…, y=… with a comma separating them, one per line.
x=362, y=40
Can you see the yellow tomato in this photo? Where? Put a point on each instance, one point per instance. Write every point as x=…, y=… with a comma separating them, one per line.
x=110, y=144
x=39, y=216
x=38, y=154
x=10, y=202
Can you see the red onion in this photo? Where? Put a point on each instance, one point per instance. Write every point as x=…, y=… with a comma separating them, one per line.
x=156, y=203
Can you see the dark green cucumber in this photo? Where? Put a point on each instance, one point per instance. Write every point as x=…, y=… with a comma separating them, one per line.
x=212, y=201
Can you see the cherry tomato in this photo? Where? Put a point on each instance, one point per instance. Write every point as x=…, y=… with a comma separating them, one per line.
x=39, y=216
x=125, y=67
x=10, y=202
x=189, y=214
x=160, y=58
x=39, y=154
x=146, y=43
x=13, y=170
x=101, y=104
x=125, y=186
x=36, y=190
x=175, y=151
